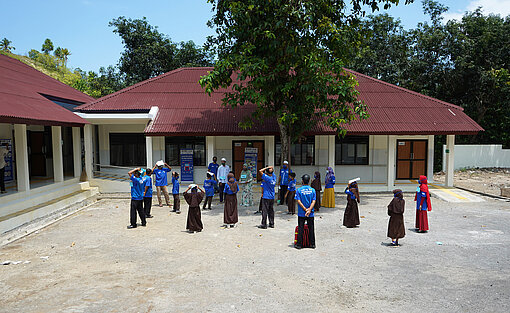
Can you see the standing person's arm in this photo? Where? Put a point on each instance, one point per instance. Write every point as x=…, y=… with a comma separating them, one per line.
x=261, y=171
x=309, y=210
x=168, y=166
x=130, y=173
x=154, y=168
x=145, y=192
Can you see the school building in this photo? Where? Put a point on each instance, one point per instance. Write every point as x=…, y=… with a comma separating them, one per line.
x=156, y=119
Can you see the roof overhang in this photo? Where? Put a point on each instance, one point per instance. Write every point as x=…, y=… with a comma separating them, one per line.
x=119, y=118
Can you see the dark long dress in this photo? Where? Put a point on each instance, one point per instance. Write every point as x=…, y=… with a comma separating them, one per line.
x=396, y=228
x=194, y=222
x=351, y=215
x=316, y=184
x=230, y=209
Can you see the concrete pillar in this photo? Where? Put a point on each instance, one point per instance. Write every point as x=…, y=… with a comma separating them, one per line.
x=450, y=154
x=87, y=138
x=430, y=159
x=269, y=146
x=331, y=151
x=21, y=150
x=148, y=148
x=392, y=152
x=58, y=159
x=76, y=151
x=317, y=149
x=209, y=148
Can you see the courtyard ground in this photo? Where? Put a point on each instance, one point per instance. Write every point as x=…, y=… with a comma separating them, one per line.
x=90, y=262
x=485, y=180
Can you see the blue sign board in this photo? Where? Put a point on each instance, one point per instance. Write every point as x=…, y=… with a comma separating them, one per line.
x=250, y=158
x=187, y=165
x=9, y=173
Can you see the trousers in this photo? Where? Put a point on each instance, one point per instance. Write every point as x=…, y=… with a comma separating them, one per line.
x=267, y=212
x=147, y=205
x=208, y=200
x=301, y=229
x=137, y=206
x=2, y=179
x=222, y=191
x=283, y=191
x=164, y=190
x=177, y=202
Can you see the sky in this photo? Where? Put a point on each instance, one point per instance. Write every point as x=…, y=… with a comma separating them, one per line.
x=82, y=25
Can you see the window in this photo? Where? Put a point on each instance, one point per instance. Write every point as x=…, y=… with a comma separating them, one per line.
x=127, y=149
x=351, y=150
x=301, y=153
x=173, y=146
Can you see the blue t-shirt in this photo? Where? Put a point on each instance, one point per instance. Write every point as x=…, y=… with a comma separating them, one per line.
x=419, y=195
x=292, y=185
x=229, y=191
x=331, y=182
x=147, y=182
x=268, y=184
x=209, y=187
x=306, y=195
x=137, y=188
x=161, y=179
x=284, y=176
x=175, y=188
x=350, y=193
x=213, y=168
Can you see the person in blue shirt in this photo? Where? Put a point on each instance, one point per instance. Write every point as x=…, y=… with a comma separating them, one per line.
x=161, y=181
x=328, y=200
x=291, y=192
x=213, y=168
x=230, y=215
x=283, y=182
x=137, y=191
x=209, y=184
x=268, y=185
x=306, y=198
x=175, y=193
x=147, y=194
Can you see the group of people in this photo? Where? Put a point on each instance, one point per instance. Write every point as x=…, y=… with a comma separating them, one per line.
x=219, y=179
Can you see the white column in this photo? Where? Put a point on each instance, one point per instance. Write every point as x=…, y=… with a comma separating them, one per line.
x=317, y=149
x=269, y=145
x=21, y=149
x=76, y=151
x=450, y=154
x=148, y=149
x=87, y=138
x=58, y=160
x=430, y=159
x=209, y=148
x=331, y=151
x=392, y=146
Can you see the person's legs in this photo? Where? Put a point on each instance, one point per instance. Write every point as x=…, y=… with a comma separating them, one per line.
x=165, y=193
x=222, y=188
x=158, y=189
x=147, y=205
x=132, y=213
x=283, y=191
x=2, y=179
x=265, y=205
x=311, y=231
x=177, y=203
x=291, y=205
x=270, y=212
x=141, y=212
x=301, y=229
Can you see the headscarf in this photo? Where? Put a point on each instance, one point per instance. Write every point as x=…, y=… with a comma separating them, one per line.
x=231, y=181
x=425, y=188
x=397, y=204
x=194, y=197
x=329, y=174
x=316, y=182
x=397, y=193
x=353, y=187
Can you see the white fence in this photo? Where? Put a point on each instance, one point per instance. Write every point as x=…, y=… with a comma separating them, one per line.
x=468, y=156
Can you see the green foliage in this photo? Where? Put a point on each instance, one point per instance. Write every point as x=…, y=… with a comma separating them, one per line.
x=5, y=45
x=47, y=46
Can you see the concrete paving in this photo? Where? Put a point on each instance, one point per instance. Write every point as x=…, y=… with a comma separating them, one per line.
x=90, y=262
x=454, y=194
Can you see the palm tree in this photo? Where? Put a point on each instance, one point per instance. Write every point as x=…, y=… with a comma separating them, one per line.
x=65, y=53
x=5, y=45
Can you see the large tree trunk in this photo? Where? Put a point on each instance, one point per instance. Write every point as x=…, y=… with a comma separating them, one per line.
x=285, y=143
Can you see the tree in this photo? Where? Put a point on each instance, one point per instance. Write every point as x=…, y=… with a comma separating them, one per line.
x=5, y=45
x=47, y=46
x=58, y=52
x=286, y=58
x=65, y=55
x=189, y=54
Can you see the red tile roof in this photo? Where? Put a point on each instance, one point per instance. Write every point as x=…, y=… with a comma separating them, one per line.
x=185, y=109
x=21, y=96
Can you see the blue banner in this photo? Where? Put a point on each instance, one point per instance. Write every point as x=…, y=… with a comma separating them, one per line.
x=187, y=165
x=9, y=173
x=250, y=158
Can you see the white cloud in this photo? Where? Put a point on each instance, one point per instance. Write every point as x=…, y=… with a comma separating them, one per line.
x=501, y=7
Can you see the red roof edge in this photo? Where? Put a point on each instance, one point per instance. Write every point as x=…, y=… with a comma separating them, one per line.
x=28, y=121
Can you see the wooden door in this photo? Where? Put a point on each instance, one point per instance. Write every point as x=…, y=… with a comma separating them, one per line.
x=37, y=156
x=411, y=159
x=239, y=147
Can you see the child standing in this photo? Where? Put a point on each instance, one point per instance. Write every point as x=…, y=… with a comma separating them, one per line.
x=305, y=197
x=230, y=216
x=193, y=198
x=396, y=228
x=291, y=193
x=175, y=193
x=351, y=214
x=147, y=195
x=317, y=185
x=209, y=190
x=136, y=198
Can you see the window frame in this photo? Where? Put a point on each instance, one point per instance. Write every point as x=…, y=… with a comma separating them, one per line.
x=308, y=140
x=140, y=158
x=181, y=141
x=356, y=140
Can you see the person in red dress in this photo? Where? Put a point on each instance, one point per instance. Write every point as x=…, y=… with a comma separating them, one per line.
x=423, y=205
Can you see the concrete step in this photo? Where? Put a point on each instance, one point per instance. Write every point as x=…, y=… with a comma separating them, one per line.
x=453, y=194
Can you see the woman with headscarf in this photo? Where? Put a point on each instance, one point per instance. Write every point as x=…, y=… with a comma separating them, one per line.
x=396, y=228
x=328, y=200
x=230, y=216
x=317, y=185
x=423, y=205
x=351, y=214
x=246, y=180
x=193, y=198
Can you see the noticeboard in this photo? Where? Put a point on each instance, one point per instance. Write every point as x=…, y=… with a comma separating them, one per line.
x=187, y=165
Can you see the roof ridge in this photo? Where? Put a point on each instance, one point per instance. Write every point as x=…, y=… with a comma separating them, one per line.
x=129, y=88
x=407, y=90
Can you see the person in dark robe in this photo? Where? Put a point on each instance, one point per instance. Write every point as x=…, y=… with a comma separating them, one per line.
x=423, y=205
x=230, y=216
x=317, y=185
x=193, y=197
x=396, y=228
x=351, y=214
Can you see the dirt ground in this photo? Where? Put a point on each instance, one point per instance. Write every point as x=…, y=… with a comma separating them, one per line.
x=486, y=180
x=90, y=262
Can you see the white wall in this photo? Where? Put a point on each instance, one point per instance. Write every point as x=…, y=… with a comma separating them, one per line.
x=467, y=156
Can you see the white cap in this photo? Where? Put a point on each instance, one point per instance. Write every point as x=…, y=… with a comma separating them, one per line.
x=212, y=174
x=191, y=186
x=353, y=180
x=160, y=163
x=285, y=162
x=223, y=159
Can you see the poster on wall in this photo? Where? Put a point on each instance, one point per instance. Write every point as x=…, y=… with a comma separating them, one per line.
x=187, y=165
x=250, y=158
x=9, y=173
